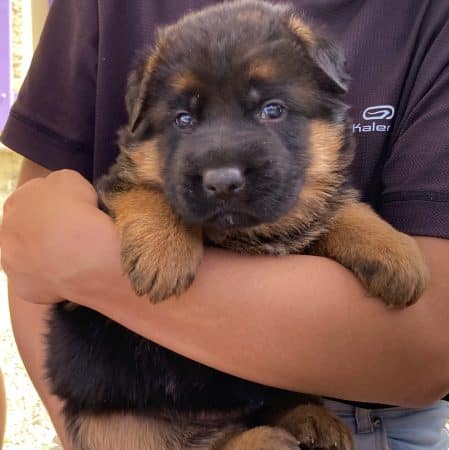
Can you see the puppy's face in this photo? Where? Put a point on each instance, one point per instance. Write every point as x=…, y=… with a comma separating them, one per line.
x=222, y=110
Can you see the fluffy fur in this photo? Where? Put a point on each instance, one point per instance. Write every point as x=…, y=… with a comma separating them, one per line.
x=238, y=138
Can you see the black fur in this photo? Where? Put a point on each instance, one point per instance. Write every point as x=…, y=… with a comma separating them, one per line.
x=96, y=365
x=112, y=369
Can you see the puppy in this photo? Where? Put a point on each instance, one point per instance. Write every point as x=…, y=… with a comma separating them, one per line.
x=238, y=138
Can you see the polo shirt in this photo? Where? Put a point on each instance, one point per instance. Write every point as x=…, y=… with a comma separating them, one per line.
x=72, y=100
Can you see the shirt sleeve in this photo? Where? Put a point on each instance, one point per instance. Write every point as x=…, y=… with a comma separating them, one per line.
x=52, y=121
x=416, y=173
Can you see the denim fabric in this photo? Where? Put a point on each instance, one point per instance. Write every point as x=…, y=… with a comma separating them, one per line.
x=396, y=428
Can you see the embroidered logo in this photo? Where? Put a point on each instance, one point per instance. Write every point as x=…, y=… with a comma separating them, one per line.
x=372, y=115
x=381, y=112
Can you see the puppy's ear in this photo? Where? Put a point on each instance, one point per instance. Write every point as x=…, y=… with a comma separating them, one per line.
x=330, y=59
x=136, y=93
x=327, y=55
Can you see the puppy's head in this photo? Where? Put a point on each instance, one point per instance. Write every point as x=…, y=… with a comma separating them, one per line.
x=236, y=113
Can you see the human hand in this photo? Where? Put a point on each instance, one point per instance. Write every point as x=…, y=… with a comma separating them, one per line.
x=54, y=237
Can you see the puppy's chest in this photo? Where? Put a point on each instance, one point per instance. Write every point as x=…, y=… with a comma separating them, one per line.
x=262, y=242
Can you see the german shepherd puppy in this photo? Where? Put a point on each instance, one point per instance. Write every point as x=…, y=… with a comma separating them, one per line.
x=237, y=137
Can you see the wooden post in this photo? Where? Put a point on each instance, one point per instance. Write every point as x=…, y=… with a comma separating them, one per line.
x=39, y=10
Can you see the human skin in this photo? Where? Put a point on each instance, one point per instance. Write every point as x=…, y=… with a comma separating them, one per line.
x=298, y=322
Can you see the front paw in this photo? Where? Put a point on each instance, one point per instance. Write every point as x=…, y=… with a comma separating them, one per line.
x=397, y=272
x=160, y=263
x=262, y=438
x=316, y=428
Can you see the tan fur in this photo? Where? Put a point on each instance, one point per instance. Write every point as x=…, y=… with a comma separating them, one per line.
x=185, y=81
x=260, y=438
x=325, y=143
x=388, y=263
x=263, y=70
x=326, y=140
x=305, y=424
x=147, y=160
x=302, y=30
x=126, y=432
x=119, y=432
x=315, y=427
x=153, y=59
x=160, y=254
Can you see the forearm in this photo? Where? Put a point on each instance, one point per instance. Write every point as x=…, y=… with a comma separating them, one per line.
x=297, y=322
x=300, y=322
x=30, y=327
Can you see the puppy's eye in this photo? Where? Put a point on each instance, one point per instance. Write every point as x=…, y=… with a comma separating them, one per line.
x=184, y=120
x=272, y=111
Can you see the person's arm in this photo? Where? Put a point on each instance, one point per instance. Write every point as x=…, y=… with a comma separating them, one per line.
x=29, y=326
x=298, y=322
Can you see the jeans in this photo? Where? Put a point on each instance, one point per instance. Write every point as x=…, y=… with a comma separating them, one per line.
x=396, y=428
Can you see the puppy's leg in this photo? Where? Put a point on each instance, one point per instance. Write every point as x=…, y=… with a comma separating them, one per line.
x=388, y=263
x=315, y=428
x=128, y=432
x=121, y=431
x=160, y=254
x=260, y=438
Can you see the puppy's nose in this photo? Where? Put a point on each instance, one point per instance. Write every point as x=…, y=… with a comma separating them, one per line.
x=223, y=182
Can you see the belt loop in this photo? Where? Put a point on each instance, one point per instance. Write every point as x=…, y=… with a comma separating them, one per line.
x=363, y=421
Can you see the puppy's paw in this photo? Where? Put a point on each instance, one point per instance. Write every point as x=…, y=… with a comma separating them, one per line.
x=388, y=263
x=316, y=428
x=160, y=254
x=396, y=271
x=262, y=438
x=160, y=263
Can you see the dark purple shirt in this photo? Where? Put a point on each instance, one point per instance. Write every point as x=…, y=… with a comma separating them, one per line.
x=72, y=101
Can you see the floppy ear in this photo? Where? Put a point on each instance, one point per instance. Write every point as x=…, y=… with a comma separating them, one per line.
x=327, y=55
x=330, y=60
x=136, y=93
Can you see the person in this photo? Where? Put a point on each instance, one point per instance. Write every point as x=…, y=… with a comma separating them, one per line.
x=297, y=322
